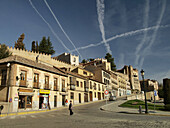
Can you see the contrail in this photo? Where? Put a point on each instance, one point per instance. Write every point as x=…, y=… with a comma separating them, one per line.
x=155, y=32
x=131, y=33
x=100, y=12
x=145, y=24
x=49, y=27
x=62, y=28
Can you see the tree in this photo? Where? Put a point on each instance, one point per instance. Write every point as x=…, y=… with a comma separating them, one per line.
x=37, y=47
x=19, y=44
x=4, y=52
x=33, y=48
x=46, y=46
x=84, y=61
x=90, y=59
x=111, y=60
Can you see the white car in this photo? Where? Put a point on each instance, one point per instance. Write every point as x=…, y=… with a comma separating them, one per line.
x=112, y=98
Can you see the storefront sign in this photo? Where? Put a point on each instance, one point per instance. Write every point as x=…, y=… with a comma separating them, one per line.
x=44, y=91
x=26, y=93
x=25, y=90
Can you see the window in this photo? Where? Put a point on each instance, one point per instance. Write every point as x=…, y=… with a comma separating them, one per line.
x=90, y=85
x=94, y=86
x=85, y=73
x=23, y=77
x=81, y=84
x=4, y=74
x=99, y=87
x=95, y=94
x=63, y=83
x=36, y=81
x=77, y=82
x=71, y=95
x=74, y=60
x=25, y=101
x=55, y=84
x=46, y=82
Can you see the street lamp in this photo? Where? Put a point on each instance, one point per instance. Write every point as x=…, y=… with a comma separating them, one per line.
x=146, y=105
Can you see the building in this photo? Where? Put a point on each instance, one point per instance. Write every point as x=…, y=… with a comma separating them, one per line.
x=68, y=58
x=29, y=85
x=100, y=62
x=166, y=88
x=123, y=84
x=133, y=77
x=150, y=86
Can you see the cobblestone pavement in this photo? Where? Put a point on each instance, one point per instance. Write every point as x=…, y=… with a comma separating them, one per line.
x=85, y=116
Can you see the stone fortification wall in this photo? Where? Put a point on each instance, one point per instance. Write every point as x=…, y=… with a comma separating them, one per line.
x=42, y=58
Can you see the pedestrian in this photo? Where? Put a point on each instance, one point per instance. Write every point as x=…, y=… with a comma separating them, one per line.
x=71, y=108
x=1, y=108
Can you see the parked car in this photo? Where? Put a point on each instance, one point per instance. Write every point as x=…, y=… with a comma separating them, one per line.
x=112, y=98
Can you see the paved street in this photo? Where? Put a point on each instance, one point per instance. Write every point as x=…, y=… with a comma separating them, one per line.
x=85, y=116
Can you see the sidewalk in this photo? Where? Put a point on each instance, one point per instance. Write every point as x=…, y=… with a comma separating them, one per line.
x=113, y=107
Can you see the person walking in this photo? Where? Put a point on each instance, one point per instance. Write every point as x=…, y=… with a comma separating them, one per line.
x=71, y=108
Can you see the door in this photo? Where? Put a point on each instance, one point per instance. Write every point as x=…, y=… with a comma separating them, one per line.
x=41, y=102
x=99, y=96
x=63, y=100
x=55, y=101
x=79, y=98
x=91, y=97
x=85, y=97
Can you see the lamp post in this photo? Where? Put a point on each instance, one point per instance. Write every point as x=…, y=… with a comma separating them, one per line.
x=146, y=105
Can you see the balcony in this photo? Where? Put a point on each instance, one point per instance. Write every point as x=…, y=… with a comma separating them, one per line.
x=47, y=87
x=64, y=89
x=72, y=87
x=36, y=85
x=56, y=88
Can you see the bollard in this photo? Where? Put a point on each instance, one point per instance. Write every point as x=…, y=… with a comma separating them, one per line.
x=140, y=109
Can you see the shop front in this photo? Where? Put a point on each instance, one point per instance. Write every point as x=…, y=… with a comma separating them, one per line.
x=25, y=98
x=44, y=99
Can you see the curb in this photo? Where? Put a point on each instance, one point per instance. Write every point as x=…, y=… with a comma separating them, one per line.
x=125, y=112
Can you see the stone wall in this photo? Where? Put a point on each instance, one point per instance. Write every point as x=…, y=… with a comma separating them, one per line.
x=42, y=58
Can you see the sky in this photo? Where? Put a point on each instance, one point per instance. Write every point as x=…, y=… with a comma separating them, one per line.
x=135, y=32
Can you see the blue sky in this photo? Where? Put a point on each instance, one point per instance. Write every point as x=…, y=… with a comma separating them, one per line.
x=136, y=32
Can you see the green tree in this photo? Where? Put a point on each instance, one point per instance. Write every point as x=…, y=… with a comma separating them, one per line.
x=46, y=46
x=90, y=59
x=33, y=48
x=84, y=61
x=111, y=60
x=37, y=47
x=4, y=52
x=19, y=44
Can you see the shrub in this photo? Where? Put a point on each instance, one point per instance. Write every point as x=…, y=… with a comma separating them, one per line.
x=167, y=107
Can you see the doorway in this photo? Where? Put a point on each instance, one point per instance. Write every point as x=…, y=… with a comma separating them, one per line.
x=79, y=97
x=63, y=100
x=91, y=97
x=55, y=101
